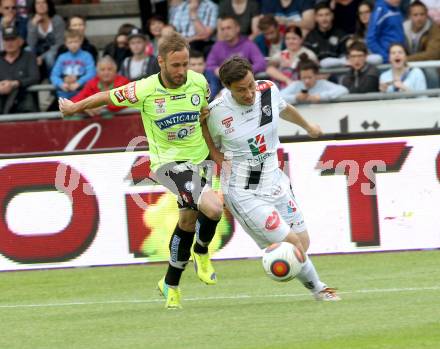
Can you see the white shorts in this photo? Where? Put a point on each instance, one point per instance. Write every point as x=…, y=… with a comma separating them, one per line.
x=267, y=219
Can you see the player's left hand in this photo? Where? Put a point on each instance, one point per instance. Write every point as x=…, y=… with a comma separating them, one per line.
x=204, y=113
x=314, y=130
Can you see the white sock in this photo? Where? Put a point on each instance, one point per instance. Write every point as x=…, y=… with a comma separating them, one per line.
x=309, y=277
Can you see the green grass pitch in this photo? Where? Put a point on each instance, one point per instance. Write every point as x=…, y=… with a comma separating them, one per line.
x=390, y=300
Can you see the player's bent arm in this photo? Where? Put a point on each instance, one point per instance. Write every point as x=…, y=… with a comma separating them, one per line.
x=215, y=154
x=292, y=115
x=99, y=99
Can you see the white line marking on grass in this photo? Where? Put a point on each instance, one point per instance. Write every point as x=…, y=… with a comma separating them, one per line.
x=242, y=296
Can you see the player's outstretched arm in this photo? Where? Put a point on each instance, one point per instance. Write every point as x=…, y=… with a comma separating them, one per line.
x=292, y=115
x=67, y=107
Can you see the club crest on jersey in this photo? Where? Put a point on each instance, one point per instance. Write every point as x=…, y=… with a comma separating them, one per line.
x=160, y=105
x=257, y=144
x=130, y=92
x=267, y=110
x=195, y=99
x=176, y=119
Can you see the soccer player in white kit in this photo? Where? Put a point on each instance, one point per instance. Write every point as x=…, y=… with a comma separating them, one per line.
x=243, y=125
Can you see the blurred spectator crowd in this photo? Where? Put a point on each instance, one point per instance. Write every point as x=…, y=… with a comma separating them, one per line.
x=287, y=41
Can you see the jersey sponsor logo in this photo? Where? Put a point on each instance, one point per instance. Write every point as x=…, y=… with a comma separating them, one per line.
x=130, y=93
x=160, y=105
x=273, y=221
x=176, y=119
x=257, y=145
x=195, y=99
x=177, y=97
x=291, y=207
x=182, y=133
x=259, y=159
x=264, y=86
x=227, y=122
x=119, y=94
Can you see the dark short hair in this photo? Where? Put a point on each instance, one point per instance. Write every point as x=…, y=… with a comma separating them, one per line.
x=357, y=46
x=305, y=63
x=234, y=69
x=232, y=18
x=267, y=21
x=172, y=43
x=416, y=3
x=71, y=34
x=195, y=54
x=125, y=29
x=323, y=5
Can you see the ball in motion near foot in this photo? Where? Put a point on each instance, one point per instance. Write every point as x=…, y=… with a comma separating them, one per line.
x=282, y=261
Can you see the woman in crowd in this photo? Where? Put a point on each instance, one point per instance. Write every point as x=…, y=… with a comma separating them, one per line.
x=45, y=33
x=311, y=89
x=283, y=66
x=401, y=78
x=363, y=17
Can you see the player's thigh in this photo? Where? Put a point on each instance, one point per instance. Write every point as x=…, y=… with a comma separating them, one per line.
x=183, y=180
x=260, y=219
x=290, y=211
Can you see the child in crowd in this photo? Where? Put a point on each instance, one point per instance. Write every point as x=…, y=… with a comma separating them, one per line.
x=73, y=68
x=140, y=65
x=78, y=23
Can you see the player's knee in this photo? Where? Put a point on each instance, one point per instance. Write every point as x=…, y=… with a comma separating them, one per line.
x=187, y=224
x=215, y=211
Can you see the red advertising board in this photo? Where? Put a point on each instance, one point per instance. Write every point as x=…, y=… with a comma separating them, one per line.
x=69, y=135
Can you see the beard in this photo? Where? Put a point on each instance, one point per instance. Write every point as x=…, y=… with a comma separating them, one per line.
x=174, y=82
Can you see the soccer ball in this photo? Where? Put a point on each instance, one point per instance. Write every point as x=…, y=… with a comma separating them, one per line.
x=282, y=261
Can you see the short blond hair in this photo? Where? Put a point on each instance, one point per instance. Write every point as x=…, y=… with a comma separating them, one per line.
x=172, y=42
x=71, y=34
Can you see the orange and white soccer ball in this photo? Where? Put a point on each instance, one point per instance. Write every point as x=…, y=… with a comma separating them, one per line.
x=282, y=261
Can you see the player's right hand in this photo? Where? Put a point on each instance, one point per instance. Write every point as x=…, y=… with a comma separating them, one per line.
x=204, y=113
x=66, y=106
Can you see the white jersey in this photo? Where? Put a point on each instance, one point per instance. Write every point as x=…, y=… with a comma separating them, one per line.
x=251, y=134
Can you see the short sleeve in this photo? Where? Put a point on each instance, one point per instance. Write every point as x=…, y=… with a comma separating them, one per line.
x=277, y=99
x=213, y=124
x=130, y=95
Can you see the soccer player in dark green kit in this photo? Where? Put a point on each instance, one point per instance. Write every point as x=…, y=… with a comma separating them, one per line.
x=170, y=104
